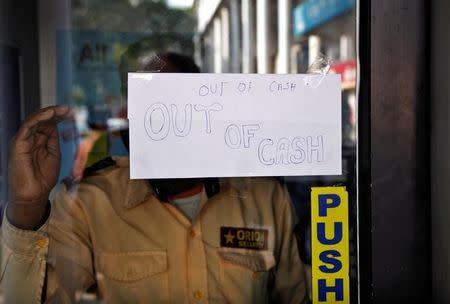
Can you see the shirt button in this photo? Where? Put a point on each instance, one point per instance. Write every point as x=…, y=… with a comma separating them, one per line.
x=198, y=295
x=193, y=234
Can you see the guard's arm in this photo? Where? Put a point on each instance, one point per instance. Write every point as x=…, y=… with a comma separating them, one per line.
x=23, y=263
x=52, y=263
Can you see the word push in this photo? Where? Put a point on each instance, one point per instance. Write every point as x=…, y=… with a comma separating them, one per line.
x=330, y=245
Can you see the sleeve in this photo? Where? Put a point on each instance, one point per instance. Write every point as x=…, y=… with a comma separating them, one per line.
x=23, y=263
x=52, y=264
x=289, y=284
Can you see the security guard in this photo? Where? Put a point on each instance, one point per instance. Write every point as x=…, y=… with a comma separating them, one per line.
x=138, y=241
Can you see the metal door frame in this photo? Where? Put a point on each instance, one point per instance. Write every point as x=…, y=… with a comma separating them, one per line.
x=393, y=151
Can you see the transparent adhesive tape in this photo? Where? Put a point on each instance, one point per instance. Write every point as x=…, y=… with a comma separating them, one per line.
x=318, y=70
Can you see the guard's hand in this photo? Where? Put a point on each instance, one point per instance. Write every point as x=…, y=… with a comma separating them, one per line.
x=34, y=165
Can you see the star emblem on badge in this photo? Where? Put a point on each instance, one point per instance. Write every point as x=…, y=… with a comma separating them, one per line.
x=229, y=237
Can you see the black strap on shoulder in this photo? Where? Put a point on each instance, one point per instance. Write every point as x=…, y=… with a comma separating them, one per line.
x=212, y=186
x=102, y=164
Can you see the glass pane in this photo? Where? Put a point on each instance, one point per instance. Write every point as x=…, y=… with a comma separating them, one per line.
x=216, y=230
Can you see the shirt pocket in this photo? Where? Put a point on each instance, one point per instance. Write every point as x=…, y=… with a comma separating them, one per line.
x=133, y=277
x=245, y=275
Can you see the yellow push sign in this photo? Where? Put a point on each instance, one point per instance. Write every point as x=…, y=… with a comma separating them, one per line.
x=330, y=245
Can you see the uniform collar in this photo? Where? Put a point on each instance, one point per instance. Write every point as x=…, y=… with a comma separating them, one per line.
x=139, y=190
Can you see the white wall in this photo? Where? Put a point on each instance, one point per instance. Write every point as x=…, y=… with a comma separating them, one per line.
x=205, y=12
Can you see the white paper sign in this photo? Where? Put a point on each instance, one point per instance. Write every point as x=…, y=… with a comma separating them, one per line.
x=222, y=125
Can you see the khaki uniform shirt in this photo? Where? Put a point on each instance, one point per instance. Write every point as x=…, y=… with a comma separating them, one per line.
x=113, y=235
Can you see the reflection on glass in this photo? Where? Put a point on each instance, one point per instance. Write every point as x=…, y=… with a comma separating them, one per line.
x=107, y=239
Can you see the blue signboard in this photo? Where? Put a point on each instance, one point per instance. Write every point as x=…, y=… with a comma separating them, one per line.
x=313, y=13
x=88, y=65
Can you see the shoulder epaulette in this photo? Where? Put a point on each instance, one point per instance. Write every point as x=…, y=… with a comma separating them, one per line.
x=101, y=164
